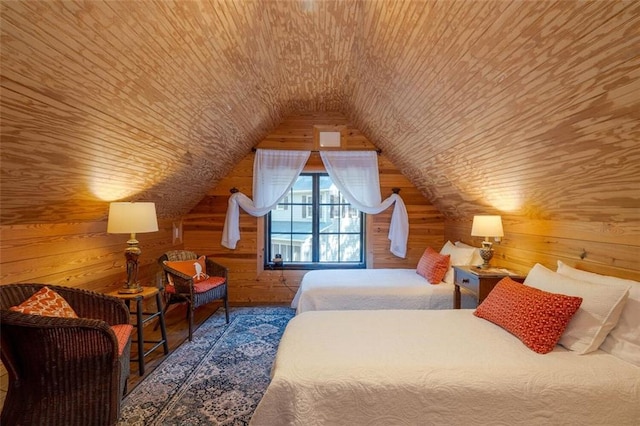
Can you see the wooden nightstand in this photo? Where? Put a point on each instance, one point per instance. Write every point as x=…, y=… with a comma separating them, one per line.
x=479, y=281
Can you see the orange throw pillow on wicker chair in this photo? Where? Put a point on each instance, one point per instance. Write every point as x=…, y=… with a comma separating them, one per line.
x=433, y=265
x=197, y=269
x=46, y=302
x=536, y=317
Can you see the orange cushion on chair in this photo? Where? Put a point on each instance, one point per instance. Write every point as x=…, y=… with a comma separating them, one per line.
x=433, y=265
x=208, y=284
x=123, y=332
x=46, y=302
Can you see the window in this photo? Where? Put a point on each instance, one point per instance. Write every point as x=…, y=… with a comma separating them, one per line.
x=315, y=227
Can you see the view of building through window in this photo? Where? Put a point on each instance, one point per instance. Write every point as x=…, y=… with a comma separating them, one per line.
x=315, y=224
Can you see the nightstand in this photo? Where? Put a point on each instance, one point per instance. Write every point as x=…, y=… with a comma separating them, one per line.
x=479, y=281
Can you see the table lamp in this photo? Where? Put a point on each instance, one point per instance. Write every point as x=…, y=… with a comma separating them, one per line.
x=487, y=226
x=132, y=218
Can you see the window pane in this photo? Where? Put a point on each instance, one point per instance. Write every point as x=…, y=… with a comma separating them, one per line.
x=303, y=186
x=327, y=187
x=283, y=217
x=350, y=248
x=301, y=221
x=348, y=221
x=325, y=217
x=303, y=248
x=329, y=248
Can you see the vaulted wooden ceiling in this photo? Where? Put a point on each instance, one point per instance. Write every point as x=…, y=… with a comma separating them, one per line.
x=531, y=107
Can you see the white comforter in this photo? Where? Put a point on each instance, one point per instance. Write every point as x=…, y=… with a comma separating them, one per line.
x=371, y=289
x=442, y=367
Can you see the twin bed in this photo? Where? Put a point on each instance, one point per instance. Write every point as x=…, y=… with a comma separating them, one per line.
x=399, y=360
x=442, y=367
x=373, y=289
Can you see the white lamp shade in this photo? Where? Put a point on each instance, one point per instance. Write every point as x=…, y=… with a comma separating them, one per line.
x=132, y=218
x=487, y=226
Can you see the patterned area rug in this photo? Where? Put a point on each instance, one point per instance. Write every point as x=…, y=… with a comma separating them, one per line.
x=218, y=378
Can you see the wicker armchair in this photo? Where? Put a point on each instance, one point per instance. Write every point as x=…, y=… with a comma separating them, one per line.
x=185, y=290
x=63, y=371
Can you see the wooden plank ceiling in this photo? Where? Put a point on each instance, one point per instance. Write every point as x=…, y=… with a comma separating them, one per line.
x=530, y=107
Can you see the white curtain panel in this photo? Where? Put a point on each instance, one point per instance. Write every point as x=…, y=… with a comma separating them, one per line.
x=274, y=173
x=355, y=173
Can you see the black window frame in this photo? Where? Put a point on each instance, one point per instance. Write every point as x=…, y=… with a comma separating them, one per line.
x=315, y=206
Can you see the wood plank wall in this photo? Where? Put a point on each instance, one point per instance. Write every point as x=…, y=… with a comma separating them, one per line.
x=602, y=247
x=79, y=255
x=248, y=282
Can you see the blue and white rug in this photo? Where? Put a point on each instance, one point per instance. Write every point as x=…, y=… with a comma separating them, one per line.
x=218, y=378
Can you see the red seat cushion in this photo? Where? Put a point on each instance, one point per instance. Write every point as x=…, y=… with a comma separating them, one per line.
x=208, y=284
x=201, y=286
x=123, y=332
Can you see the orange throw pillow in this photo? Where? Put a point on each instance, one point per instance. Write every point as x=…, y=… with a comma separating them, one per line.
x=433, y=265
x=46, y=302
x=536, y=317
x=197, y=269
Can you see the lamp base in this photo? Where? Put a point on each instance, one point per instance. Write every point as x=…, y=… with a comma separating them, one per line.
x=486, y=253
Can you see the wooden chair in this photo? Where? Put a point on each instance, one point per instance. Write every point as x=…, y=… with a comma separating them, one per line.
x=184, y=288
x=64, y=371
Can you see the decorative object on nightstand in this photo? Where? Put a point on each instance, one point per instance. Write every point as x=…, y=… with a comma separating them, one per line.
x=479, y=281
x=132, y=218
x=487, y=226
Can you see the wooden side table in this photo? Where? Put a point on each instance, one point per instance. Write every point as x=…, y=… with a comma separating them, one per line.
x=142, y=318
x=479, y=281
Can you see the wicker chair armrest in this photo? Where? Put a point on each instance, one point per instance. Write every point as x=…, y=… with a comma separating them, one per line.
x=215, y=269
x=93, y=335
x=182, y=282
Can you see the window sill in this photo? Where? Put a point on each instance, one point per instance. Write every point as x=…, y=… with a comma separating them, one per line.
x=312, y=266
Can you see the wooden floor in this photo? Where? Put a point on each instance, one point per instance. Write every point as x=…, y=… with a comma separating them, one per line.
x=177, y=334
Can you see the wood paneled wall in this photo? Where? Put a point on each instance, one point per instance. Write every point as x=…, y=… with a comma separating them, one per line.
x=602, y=247
x=248, y=282
x=78, y=254
x=530, y=107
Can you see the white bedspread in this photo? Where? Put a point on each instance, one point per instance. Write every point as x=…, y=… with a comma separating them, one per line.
x=371, y=289
x=438, y=367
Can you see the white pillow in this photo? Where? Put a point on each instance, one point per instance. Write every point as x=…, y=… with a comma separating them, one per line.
x=459, y=256
x=624, y=340
x=476, y=259
x=598, y=314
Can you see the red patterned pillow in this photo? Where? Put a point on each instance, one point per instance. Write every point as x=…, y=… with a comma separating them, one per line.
x=538, y=318
x=46, y=302
x=433, y=265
